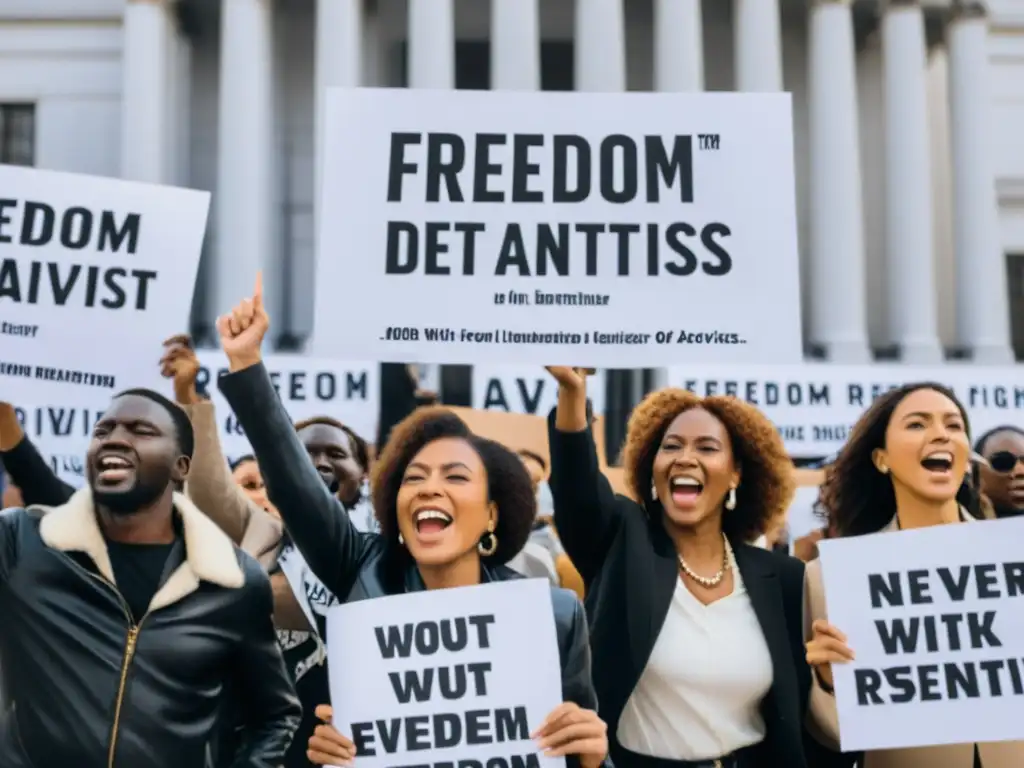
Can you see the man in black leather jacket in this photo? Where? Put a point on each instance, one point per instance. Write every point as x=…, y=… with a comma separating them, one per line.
x=130, y=623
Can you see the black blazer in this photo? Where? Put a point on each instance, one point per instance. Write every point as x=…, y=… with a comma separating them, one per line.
x=630, y=568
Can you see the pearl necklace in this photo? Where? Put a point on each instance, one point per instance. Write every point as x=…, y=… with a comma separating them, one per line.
x=710, y=581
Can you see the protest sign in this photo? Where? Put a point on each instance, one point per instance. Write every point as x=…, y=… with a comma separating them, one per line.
x=935, y=617
x=449, y=676
x=525, y=389
x=307, y=386
x=500, y=227
x=815, y=405
x=86, y=261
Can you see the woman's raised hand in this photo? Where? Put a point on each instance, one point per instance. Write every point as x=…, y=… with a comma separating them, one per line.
x=326, y=745
x=572, y=730
x=570, y=378
x=826, y=647
x=243, y=328
x=181, y=364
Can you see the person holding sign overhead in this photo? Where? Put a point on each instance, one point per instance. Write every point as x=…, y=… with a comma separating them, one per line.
x=453, y=509
x=903, y=468
x=698, y=655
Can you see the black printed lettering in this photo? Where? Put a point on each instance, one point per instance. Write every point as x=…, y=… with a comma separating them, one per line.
x=616, y=161
x=990, y=678
x=415, y=733
x=538, y=250
x=76, y=228
x=885, y=588
x=530, y=394
x=453, y=682
x=92, y=286
x=428, y=637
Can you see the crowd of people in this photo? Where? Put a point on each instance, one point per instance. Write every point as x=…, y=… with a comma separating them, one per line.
x=149, y=618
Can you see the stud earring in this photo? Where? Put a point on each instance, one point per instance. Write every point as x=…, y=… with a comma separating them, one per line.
x=730, y=499
x=654, y=493
x=401, y=541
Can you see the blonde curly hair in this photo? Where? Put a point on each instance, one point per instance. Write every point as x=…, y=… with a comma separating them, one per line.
x=768, y=485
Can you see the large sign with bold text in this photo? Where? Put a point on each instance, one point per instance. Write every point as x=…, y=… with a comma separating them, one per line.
x=594, y=229
x=935, y=617
x=457, y=677
x=816, y=404
x=94, y=274
x=348, y=392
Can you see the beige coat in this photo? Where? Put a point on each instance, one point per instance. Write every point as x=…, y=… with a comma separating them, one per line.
x=212, y=488
x=823, y=721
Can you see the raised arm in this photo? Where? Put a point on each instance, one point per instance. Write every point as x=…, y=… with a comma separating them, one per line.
x=587, y=512
x=26, y=467
x=315, y=519
x=210, y=484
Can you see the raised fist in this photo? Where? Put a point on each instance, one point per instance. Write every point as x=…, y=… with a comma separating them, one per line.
x=180, y=364
x=570, y=378
x=243, y=328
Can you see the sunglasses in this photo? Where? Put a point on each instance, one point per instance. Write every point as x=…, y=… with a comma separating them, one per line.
x=1004, y=461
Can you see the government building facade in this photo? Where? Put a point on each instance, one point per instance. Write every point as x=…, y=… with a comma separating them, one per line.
x=909, y=118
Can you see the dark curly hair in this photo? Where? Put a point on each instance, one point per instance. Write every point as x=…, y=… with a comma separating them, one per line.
x=361, y=448
x=508, y=482
x=856, y=498
x=236, y=463
x=768, y=485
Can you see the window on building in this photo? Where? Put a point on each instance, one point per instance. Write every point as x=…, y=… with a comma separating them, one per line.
x=1015, y=278
x=18, y=134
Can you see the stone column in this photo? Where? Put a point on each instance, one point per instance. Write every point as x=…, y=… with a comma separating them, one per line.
x=910, y=248
x=515, y=45
x=982, y=303
x=246, y=216
x=146, y=124
x=838, y=317
x=600, y=46
x=758, y=45
x=678, y=46
x=431, y=44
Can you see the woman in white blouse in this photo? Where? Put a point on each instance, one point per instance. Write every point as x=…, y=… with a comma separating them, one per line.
x=696, y=635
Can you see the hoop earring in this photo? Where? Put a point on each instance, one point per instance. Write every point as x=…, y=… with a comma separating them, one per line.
x=730, y=499
x=488, y=544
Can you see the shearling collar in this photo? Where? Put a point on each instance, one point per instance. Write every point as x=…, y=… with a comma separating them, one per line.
x=209, y=554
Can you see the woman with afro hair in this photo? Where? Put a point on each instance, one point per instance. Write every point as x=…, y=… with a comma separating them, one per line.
x=904, y=466
x=697, y=643
x=453, y=508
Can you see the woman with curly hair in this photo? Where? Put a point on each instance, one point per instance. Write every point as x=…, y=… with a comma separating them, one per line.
x=453, y=508
x=698, y=653
x=903, y=467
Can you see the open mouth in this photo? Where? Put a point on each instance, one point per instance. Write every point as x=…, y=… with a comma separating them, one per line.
x=685, y=490
x=113, y=469
x=429, y=521
x=939, y=462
